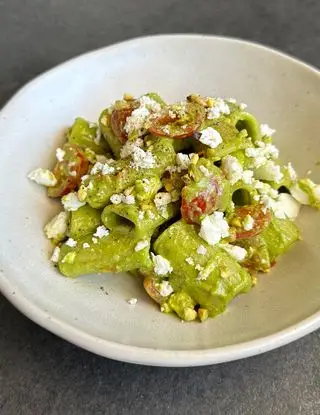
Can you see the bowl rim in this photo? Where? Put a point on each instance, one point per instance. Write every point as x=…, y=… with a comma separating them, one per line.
x=142, y=355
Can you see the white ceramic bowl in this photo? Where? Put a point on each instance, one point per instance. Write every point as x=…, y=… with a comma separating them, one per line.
x=279, y=90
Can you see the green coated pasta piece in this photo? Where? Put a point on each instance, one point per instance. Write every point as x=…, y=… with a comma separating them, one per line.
x=241, y=142
x=83, y=221
x=86, y=136
x=102, y=187
x=244, y=121
x=113, y=253
x=211, y=280
x=130, y=218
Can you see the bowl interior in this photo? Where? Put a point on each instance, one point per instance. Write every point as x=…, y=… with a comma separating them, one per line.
x=278, y=90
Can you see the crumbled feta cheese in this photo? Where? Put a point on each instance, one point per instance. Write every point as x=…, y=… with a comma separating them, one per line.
x=198, y=267
x=269, y=171
x=292, y=173
x=202, y=250
x=243, y=106
x=151, y=104
x=57, y=227
x=232, y=100
x=102, y=168
x=236, y=252
x=128, y=200
x=248, y=223
x=165, y=289
x=60, y=154
x=210, y=137
x=132, y=301
x=130, y=147
x=150, y=214
x=71, y=242
x=85, y=245
x=285, y=206
x=43, y=177
x=262, y=153
x=136, y=121
x=162, y=199
x=213, y=228
x=232, y=169
x=101, y=232
x=205, y=171
x=55, y=255
x=256, y=198
x=183, y=160
x=142, y=159
x=71, y=202
x=219, y=108
x=141, y=245
x=141, y=215
x=161, y=265
x=116, y=198
x=94, y=240
x=189, y=260
x=84, y=178
x=266, y=130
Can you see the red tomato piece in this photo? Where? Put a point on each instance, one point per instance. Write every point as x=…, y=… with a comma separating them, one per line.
x=118, y=120
x=261, y=220
x=69, y=171
x=199, y=199
x=174, y=124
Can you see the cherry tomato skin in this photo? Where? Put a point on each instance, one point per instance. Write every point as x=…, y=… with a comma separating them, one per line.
x=118, y=120
x=261, y=220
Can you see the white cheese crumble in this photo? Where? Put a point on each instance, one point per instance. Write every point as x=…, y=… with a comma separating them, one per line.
x=130, y=147
x=262, y=153
x=132, y=301
x=142, y=159
x=210, y=137
x=266, y=130
x=236, y=252
x=183, y=160
x=43, y=177
x=232, y=100
x=243, y=106
x=213, y=228
x=232, y=169
x=136, y=121
x=55, y=255
x=116, y=198
x=128, y=199
x=85, y=245
x=141, y=245
x=269, y=171
x=285, y=206
x=202, y=250
x=248, y=223
x=102, y=168
x=57, y=227
x=162, y=199
x=161, y=265
x=151, y=104
x=101, y=232
x=189, y=260
x=71, y=242
x=94, y=240
x=205, y=171
x=198, y=267
x=60, y=154
x=165, y=289
x=219, y=108
x=71, y=202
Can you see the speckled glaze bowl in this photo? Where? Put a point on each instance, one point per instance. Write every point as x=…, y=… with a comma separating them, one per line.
x=92, y=311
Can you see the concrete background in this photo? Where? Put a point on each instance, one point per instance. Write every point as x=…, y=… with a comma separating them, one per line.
x=42, y=374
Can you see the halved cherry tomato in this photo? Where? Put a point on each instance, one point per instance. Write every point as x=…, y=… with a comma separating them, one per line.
x=200, y=199
x=69, y=171
x=118, y=120
x=261, y=220
x=178, y=121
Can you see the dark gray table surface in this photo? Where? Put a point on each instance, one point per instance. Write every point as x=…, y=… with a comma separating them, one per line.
x=42, y=374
